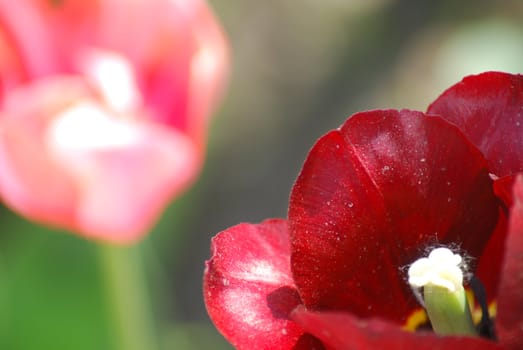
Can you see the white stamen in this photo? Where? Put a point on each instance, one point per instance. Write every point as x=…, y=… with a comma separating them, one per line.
x=441, y=268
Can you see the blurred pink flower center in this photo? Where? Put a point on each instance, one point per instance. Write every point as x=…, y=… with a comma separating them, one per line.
x=88, y=127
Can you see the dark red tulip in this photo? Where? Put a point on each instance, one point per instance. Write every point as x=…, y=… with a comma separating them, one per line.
x=373, y=196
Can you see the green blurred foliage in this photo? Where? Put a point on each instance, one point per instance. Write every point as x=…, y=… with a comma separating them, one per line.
x=52, y=296
x=300, y=68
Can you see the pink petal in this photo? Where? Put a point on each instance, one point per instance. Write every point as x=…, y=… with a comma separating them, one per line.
x=177, y=57
x=177, y=47
x=25, y=33
x=344, y=331
x=124, y=190
x=371, y=196
x=111, y=191
x=509, y=319
x=12, y=70
x=248, y=288
x=488, y=109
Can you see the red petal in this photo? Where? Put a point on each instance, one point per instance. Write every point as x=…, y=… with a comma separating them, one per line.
x=503, y=189
x=343, y=331
x=248, y=288
x=488, y=109
x=489, y=265
x=371, y=196
x=509, y=320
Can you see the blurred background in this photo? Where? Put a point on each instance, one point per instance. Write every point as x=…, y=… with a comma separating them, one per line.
x=299, y=69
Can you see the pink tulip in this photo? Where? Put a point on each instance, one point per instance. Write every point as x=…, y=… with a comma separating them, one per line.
x=105, y=109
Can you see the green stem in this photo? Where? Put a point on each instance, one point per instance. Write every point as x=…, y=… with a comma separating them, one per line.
x=448, y=311
x=127, y=297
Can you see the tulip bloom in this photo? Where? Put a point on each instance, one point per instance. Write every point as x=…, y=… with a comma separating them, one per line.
x=105, y=108
x=372, y=198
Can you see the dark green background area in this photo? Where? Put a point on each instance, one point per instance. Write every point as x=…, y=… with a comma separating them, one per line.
x=299, y=69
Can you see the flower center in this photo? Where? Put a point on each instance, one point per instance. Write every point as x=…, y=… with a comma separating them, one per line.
x=437, y=282
x=87, y=126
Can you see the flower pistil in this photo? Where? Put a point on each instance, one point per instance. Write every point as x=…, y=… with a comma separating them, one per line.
x=441, y=277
